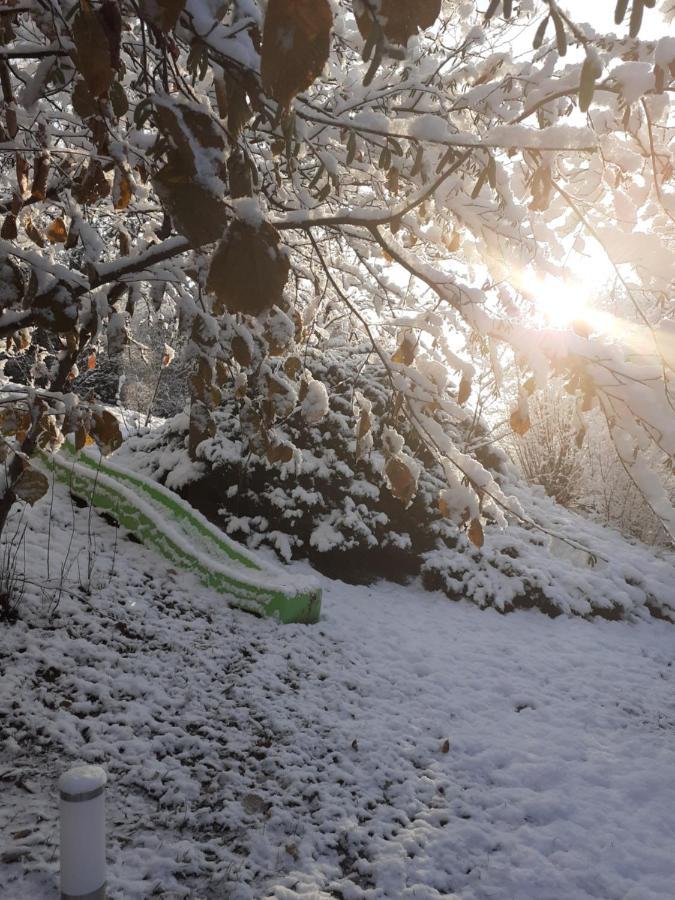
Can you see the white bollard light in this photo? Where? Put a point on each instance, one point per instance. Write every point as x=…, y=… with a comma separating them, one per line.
x=83, y=833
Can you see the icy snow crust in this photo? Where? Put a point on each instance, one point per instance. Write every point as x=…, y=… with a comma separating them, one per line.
x=251, y=762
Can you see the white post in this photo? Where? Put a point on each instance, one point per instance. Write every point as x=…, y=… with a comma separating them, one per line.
x=83, y=833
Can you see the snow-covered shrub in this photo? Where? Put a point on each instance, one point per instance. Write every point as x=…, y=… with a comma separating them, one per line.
x=332, y=503
x=326, y=502
x=519, y=568
x=577, y=465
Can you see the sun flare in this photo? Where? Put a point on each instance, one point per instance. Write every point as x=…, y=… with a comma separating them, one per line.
x=574, y=295
x=561, y=301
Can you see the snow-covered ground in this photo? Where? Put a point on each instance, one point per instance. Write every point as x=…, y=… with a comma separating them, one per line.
x=405, y=747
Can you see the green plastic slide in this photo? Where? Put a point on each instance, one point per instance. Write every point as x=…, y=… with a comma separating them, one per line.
x=165, y=522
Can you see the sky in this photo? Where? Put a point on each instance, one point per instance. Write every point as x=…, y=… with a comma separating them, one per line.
x=600, y=14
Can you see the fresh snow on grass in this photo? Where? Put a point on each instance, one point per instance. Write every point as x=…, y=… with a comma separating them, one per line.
x=405, y=747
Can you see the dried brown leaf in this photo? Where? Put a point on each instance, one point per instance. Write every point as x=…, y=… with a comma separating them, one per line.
x=296, y=43
x=464, y=391
x=31, y=485
x=475, y=533
x=520, y=422
x=92, y=51
x=402, y=482
x=106, y=431
x=248, y=270
x=56, y=232
x=405, y=352
x=162, y=13
x=398, y=19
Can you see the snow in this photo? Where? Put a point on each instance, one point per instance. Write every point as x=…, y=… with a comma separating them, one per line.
x=635, y=79
x=405, y=747
x=315, y=403
x=81, y=780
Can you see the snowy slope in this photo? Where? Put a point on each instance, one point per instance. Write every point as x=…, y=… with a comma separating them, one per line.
x=251, y=761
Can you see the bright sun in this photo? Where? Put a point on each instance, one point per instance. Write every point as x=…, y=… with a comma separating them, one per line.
x=573, y=297
x=561, y=301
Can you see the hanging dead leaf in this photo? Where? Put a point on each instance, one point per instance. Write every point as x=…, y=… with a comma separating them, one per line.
x=195, y=211
x=118, y=99
x=365, y=424
x=81, y=437
x=239, y=175
x=122, y=189
x=117, y=333
x=581, y=328
x=111, y=19
x=296, y=43
x=162, y=13
x=92, y=184
x=520, y=422
x=40, y=177
x=31, y=485
x=106, y=432
x=22, y=169
x=9, y=232
x=56, y=232
x=240, y=385
x=189, y=128
x=292, y=365
x=401, y=480
x=91, y=361
x=33, y=233
x=590, y=72
x=452, y=241
x=280, y=453
x=406, y=350
x=51, y=436
x=14, y=421
x=248, y=270
x=530, y=385
x=201, y=427
x=475, y=533
x=281, y=395
x=445, y=746
x=202, y=330
x=92, y=51
x=200, y=380
x=279, y=332
x=464, y=391
x=83, y=103
x=241, y=351
x=398, y=20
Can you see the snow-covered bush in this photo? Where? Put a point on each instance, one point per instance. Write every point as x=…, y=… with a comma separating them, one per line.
x=331, y=502
x=577, y=465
